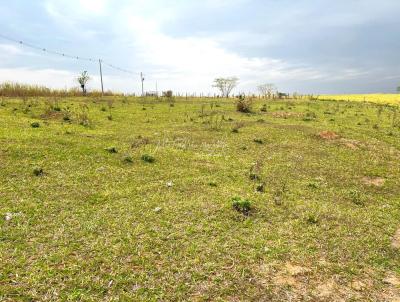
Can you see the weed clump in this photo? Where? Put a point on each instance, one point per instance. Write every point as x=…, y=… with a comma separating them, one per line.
x=37, y=171
x=148, y=158
x=111, y=150
x=238, y=126
x=260, y=188
x=310, y=116
x=127, y=159
x=264, y=108
x=356, y=197
x=243, y=206
x=258, y=141
x=35, y=125
x=312, y=219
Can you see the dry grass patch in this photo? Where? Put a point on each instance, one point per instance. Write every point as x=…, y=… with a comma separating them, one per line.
x=374, y=181
x=285, y=115
x=396, y=240
x=328, y=135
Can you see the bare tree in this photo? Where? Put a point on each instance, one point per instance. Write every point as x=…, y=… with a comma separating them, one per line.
x=82, y=80
x=267, y=90
x=226, y=85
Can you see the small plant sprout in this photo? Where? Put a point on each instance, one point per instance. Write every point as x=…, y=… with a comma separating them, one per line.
x=148, y=158
x=111, y=150
x=127, y=159
x=312, y=218
x=243, y=206
x=37, y=171
x=260, y=188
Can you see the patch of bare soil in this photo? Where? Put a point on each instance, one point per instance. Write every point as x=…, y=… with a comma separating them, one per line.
x=392, y=291
x=351, y=144
x=396, y=240
x=374, y=181
x=328, y=135
x=289, y=275
x=326, y=290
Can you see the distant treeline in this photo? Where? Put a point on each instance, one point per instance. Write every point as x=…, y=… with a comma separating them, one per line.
x=24, y=90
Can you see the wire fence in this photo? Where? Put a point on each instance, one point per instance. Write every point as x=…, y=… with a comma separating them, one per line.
x=66, y=55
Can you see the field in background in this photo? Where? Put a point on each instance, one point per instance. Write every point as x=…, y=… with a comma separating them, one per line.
x=374, y=98
x=130, y=199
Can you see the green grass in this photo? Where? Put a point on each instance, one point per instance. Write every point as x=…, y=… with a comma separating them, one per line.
x=99, y=225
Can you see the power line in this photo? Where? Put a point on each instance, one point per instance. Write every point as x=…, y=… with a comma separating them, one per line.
x=65, y=55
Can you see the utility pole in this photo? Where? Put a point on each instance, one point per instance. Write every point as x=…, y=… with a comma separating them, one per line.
x=142, y=79
x=101, y=78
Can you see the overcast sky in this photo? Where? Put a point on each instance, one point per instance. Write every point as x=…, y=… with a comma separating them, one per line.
x=308, y=46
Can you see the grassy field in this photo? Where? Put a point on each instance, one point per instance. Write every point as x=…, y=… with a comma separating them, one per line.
x=382, y=98
x=126, y=199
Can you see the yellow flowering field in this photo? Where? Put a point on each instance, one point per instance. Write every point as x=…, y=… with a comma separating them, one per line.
x=375, y=98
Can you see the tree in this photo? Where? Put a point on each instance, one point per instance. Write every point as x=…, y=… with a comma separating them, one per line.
x=82, y=80
x=398, y=89
x=226, y=85
x=267, y=90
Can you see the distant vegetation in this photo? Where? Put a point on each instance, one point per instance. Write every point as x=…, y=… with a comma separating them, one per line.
x=10, y=89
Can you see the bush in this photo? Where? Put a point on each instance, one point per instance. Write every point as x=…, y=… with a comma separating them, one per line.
x=243, y=206
x=35, y=125
x=244, y=104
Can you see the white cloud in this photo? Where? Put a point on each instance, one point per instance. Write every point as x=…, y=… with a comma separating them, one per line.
x=182, y=63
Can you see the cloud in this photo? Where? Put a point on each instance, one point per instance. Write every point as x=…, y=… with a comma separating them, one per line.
x=184, y=45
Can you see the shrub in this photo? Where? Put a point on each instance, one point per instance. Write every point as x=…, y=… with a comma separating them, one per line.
x=148, y=158
x=243, y=206
x=35, y=125
x=258, y=141
x=244, y=104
